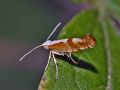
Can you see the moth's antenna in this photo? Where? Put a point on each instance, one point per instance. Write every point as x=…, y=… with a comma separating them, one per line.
x=40, y=45
x=54, y=30
x=30, y=52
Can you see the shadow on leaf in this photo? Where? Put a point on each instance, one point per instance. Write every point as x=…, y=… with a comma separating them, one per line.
x=80, y=63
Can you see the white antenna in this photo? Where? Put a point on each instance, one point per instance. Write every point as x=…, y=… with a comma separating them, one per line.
x=30, y=52
x=54, y=30
x=41, y=44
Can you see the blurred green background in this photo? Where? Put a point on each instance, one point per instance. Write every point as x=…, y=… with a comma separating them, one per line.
x=23, y=25
x=27, y=19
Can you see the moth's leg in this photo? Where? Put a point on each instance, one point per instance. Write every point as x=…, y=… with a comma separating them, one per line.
x=58, y=53
x=48, y=60
x=72, y=58
x=55, y=64
x=67, y=54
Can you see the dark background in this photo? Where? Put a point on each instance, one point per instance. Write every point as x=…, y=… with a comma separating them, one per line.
x=25, y=24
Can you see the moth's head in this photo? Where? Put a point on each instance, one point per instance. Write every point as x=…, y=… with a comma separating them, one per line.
x=46, y=44
x=91, y=41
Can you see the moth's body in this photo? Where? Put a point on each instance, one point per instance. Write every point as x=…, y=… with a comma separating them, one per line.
x=64, y=46
x=70, y=45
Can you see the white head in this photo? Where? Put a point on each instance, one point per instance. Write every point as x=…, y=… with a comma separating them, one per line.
x=45, y=44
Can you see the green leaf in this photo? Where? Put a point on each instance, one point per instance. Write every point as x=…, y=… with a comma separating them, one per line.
x=114, y=38
x=78, y=1
x=74, y=78
x=117, y=2
x=83, y=1
x=113, y=6
x=104, y=57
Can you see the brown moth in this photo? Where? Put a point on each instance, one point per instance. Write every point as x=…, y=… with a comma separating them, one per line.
x=64, y=46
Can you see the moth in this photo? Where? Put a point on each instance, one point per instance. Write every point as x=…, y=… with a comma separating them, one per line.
x=64, y=46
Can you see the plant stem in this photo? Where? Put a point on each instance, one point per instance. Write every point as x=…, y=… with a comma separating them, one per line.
x=102, y=16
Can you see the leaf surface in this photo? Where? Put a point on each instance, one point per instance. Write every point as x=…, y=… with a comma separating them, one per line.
x=104, y=57
x=75, y=78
